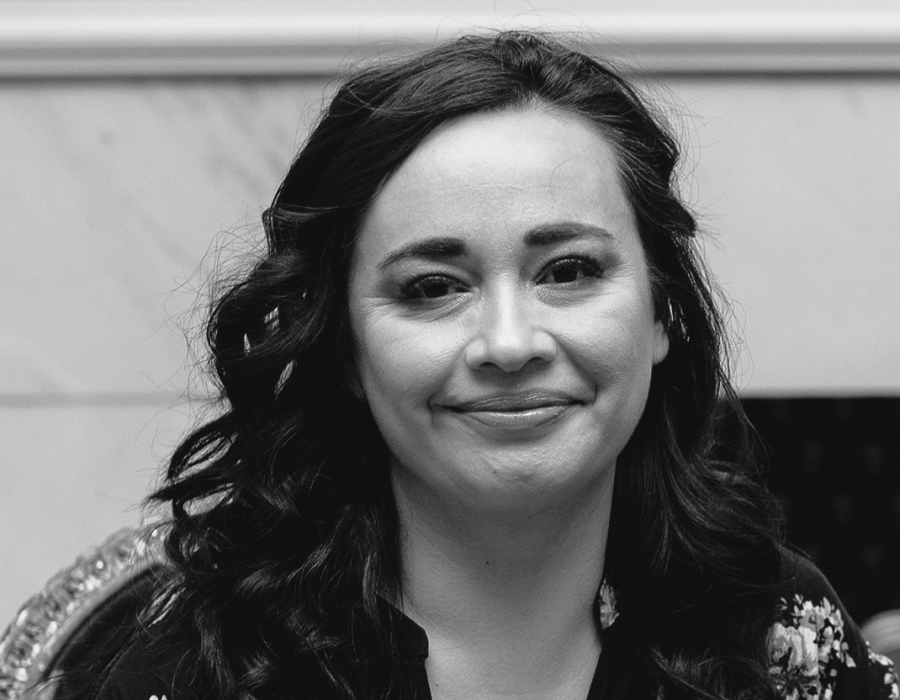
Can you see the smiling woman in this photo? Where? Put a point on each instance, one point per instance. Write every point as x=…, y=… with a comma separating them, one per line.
x=505, y=336
x=516, y=334
x=468, y=443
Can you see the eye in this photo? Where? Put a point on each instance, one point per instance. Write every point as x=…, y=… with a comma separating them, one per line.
x=569, y=271
x=430, y=287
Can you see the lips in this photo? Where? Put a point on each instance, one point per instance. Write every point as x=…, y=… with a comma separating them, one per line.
x=515, y=412
x=513, y=402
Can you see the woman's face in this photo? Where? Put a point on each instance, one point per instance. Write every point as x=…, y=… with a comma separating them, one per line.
x=501, y=311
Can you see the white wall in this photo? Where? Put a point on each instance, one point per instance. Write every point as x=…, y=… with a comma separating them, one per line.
x=112, y=191
x=797, y=182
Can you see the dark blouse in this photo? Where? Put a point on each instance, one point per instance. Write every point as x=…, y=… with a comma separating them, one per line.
x=816, y=652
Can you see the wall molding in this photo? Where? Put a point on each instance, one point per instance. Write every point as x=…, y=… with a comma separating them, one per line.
x=80, y=38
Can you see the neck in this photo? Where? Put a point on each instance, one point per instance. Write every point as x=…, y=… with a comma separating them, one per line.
x=506, y=596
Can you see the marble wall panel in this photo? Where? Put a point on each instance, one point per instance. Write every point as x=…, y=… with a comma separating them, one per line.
x=112, y=193
x=116, y=200
x=797, y=184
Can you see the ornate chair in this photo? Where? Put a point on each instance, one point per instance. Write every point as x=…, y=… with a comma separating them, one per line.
x=77, y=620
x=883, y=632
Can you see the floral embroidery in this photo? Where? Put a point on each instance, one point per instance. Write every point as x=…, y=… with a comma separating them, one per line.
x=807, y=649
x=890, y=676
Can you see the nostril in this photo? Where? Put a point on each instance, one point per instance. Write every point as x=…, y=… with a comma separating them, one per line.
x=490, y=353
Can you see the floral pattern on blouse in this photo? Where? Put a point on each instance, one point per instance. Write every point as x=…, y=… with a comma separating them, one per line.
x=889, y=675
x=807, y=649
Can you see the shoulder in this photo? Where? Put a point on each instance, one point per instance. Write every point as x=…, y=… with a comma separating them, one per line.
x=156, y=664
x=815, y=649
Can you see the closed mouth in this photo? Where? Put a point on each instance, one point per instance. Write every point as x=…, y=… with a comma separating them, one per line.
x=515, y=411
x=513, y=403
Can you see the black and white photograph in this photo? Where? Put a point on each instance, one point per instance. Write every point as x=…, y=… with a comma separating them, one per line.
x=449, y=350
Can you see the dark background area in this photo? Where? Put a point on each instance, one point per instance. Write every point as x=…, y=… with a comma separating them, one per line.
x=835, y=465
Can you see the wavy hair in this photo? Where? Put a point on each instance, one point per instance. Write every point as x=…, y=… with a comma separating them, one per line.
x=284, y=533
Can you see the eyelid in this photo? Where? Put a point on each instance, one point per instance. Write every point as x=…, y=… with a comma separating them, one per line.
x=588, y=263
x=406, y=289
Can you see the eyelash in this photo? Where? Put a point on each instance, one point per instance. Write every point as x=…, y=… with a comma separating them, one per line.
x=414, y=289
x=586, y=266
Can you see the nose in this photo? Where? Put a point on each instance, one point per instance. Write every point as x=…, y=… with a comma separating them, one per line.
x=508, y=336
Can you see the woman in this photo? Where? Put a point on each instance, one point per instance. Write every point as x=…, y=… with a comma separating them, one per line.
x=467, y=449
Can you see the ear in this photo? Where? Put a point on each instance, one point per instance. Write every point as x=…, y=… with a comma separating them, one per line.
x=660, y=342
x=355, y=385
x=352, y=377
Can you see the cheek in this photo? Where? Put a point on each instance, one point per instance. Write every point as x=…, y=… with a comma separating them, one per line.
x=615, y=344
x=402, y=362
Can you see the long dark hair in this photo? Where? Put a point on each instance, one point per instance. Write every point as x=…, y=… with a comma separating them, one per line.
x=284, y=533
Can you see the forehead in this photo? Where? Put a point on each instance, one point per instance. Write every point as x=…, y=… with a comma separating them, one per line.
x=489, y=173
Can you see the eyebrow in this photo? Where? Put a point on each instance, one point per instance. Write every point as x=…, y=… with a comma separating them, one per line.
x=430, y=249
x=551, y=234
x=437, y=249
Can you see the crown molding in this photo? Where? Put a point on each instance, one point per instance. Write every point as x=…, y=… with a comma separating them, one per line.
x=126, y=38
